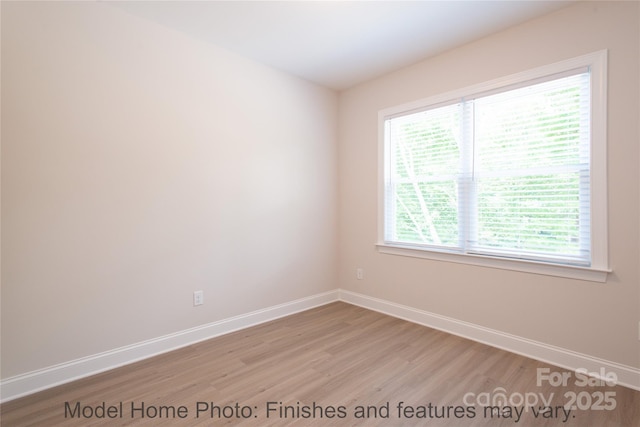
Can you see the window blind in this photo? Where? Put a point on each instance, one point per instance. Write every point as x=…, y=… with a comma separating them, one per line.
x=501, y=174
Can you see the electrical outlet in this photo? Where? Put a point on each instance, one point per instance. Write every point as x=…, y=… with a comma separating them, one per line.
x=198, y=298
x=359, y=273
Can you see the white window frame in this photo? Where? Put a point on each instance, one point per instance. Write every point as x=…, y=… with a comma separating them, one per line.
x=599, y=268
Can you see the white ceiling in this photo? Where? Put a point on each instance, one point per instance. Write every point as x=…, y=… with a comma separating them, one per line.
x=339, y=43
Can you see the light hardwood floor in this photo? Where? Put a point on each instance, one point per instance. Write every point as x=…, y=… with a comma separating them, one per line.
x=319, y=368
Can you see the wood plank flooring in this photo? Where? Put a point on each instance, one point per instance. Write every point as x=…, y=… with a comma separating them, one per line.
x=335, y=365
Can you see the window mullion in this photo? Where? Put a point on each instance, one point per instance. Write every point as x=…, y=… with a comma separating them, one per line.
x=466, y=182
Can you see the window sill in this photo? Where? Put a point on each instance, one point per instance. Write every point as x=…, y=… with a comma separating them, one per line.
x=572, y=272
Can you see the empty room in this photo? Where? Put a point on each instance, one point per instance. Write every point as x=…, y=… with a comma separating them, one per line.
x=329, y=213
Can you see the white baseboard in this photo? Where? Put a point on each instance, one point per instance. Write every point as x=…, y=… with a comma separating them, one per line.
x=31, y=382
x=626, y=375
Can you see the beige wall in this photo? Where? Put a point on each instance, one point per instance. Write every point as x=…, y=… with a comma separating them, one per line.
x=138, y=166
x=600, y=320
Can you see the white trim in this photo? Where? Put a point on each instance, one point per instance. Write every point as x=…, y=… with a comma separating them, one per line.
x=598, y=63
x=599, y=198
x=31, y=382
x=598, y=59
x=42, y=379
x=628, y=376
x=527, y=266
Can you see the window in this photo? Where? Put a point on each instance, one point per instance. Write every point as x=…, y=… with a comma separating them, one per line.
x=514, y=169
